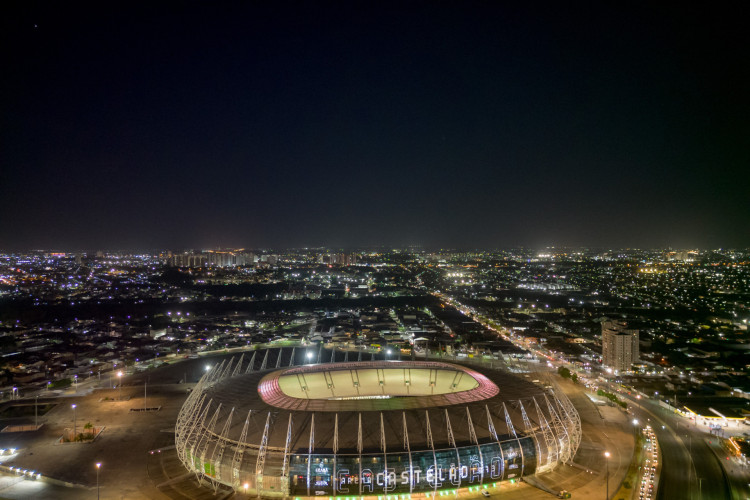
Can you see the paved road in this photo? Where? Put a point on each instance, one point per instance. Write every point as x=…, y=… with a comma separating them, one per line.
x=689, y=469
x=738, y=474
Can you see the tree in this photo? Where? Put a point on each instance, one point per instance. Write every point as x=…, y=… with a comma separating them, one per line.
x=574, y=378
x=563, y=372
x=65, y=382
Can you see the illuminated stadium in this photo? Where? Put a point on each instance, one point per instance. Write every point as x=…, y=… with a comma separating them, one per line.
x=269, y=425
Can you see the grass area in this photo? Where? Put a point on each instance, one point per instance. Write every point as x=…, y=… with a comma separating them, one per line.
x=613, y=398
x=26, y=410
x=89, y=433
x=631, y=483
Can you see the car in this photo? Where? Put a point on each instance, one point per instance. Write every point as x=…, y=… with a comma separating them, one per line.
x=485, y=493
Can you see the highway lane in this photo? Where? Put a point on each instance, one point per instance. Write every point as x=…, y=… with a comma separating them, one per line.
x=689, y=469
x=738, y=474
x=708, y=471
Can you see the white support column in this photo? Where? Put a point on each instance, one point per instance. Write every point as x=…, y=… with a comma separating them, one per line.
x=251, y=366
x=203, y=441
x=310, y=448
x=385, y=457
x=278, y=357
x=227, y=370
x=223, y=438
x=493, y=433
x=408, y=451
x=287, y=443
x=260, y=463
x=185, y=417
x=334, y=482
x=549, y=438
x=512, y=430
x=359, y=449
x=195, y=438
x=432, y=447
x=561, y=432
x=473, y=437
x=239, y=365
x=239, y=453
x=572, y=420
x=452, y=441
x=530, y=433
x=186, y=427
x=215, y=373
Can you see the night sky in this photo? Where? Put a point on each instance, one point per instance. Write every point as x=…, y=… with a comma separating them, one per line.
x=442, y=124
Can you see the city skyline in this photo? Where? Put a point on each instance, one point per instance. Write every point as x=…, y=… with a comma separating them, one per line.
x=677, y=253
x=312, y=372
x=466, y=126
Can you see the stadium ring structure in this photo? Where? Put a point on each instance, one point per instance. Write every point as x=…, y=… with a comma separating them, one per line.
x=269, y=425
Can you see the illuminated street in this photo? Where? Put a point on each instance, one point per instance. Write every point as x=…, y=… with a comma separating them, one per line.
x=374, y=251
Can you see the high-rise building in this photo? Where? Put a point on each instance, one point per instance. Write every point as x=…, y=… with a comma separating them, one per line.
x=619, y=345
x=338, y=259
x=211, y=258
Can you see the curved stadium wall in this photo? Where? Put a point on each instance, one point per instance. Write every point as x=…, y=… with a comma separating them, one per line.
x=269, y=425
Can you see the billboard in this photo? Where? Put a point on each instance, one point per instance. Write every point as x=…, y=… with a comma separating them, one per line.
x=402, y=472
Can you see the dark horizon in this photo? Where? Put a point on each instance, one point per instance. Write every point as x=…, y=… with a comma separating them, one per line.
x=384, y=249
x=343, y=125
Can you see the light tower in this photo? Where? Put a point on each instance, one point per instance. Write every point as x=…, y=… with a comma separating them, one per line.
x=606, y=456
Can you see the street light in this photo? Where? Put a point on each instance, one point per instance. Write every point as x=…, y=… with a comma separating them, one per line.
x=606, y=455
x=98, y=466
x=119, y=386
x=75, y=377
x=74, y=422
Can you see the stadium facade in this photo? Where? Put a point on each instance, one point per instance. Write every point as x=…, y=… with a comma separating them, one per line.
x=269, y=425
